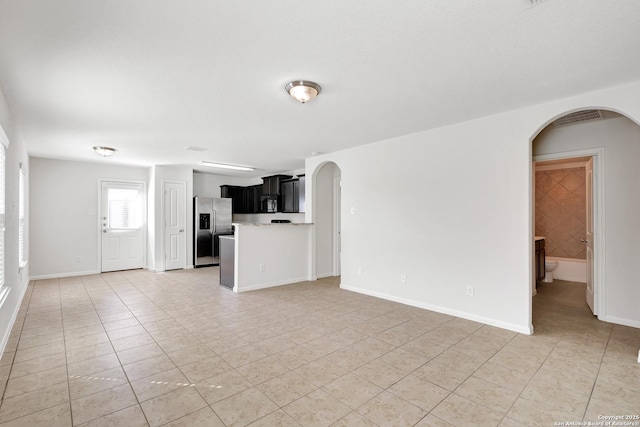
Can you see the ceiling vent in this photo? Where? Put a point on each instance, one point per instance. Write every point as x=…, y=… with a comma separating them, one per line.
x=192, y=148
x=579, y=117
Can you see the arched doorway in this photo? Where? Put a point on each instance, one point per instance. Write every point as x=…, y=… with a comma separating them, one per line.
x=326, y=216
x=610, y=140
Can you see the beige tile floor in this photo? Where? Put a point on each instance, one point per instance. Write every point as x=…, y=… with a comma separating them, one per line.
x=142, y=349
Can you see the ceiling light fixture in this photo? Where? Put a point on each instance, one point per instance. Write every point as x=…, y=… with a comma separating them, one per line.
x=225, y=166
x=104, y=151
x=302, y=90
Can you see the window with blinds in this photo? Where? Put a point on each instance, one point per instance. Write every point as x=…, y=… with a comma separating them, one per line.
x=123, y=209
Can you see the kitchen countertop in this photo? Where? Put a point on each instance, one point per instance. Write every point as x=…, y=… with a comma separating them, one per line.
x=260, y=224
x=228, y=236
x=539, y=238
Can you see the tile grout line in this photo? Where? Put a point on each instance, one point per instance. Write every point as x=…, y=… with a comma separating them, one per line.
x=15, y=353
x=118, y=357
x=584, y=414
x=66, y=359
x=163, y=351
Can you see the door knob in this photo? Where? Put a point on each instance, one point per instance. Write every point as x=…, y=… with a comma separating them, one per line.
x=104, y=231
x=181, y=230
x=584, y=241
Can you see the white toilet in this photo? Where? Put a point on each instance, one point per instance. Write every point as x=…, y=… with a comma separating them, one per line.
x=549, y=266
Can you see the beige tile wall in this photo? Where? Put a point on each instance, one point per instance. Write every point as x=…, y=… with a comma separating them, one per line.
x=561, y=211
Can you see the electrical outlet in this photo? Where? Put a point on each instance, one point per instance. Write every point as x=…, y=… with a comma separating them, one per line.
x=353, y=210
x=359, y=271
x=263, y=268
x=469, y=290
x=403, y=279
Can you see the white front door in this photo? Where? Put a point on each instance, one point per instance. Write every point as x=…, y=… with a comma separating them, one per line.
x=175, y=241
x=588, y=240
x=123, y=225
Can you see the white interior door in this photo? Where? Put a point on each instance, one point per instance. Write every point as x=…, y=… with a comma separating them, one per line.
x=588, y=240
x=175, y=240
x=123, y=225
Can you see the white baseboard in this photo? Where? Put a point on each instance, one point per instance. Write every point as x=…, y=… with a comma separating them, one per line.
x=14, y=315
x=528, y=330
x=620, y=321
x=271, y=284
x=61, y=275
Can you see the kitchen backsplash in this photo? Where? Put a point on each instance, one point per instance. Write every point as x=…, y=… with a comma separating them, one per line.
x=561, y=211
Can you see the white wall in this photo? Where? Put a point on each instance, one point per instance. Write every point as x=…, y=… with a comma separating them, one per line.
x=152, y=189
x=620, y=138
x=474, y=228
x=64, y=221
x=208, y=185
x=17, y=279
x=283, y=249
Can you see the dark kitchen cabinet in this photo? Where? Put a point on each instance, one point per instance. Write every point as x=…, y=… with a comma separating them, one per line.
x=243, y=199
x=540, y=260
x=261, y=198
x=293, y=192
x=253, y=196
x=271, y=184
x=289, y=190
x=237, y=195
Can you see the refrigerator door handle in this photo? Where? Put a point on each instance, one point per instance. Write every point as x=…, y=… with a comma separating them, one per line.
x=213, y=215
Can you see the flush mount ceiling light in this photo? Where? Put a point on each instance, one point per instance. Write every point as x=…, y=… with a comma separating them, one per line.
x=104, y=151
x=302, y=90
x=225, y=166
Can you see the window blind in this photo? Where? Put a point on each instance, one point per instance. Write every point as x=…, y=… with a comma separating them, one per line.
x=124, y=210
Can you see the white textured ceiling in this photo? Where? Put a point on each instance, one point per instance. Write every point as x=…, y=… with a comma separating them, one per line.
x=152, y=77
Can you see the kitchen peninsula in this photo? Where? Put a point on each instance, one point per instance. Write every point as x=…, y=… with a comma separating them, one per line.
x=267, y=255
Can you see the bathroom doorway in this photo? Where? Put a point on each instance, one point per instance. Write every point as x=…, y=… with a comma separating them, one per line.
x=612, y=139
x=563, y=215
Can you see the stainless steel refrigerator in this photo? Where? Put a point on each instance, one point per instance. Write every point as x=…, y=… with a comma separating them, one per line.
x=211, y=219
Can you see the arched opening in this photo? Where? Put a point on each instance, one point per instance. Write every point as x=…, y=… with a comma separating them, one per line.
x=326, y=216
x=587, y=237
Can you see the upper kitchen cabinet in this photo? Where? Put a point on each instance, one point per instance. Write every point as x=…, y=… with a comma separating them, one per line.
x=293, y=192
x=271, y=184
x=237, y=195
x=253, y=196
x=244, y=199
x=289, y=190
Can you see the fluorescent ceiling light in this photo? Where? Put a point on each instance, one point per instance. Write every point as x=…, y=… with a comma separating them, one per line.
x=223, y=166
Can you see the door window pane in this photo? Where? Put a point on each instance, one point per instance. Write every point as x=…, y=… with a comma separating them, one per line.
x=124, y=208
